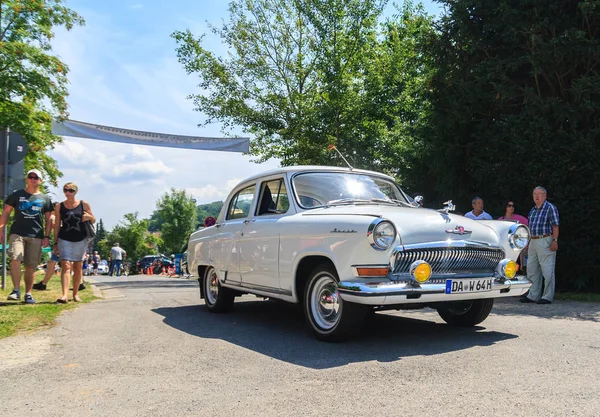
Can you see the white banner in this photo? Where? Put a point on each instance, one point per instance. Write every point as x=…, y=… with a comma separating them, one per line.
x=139, y=137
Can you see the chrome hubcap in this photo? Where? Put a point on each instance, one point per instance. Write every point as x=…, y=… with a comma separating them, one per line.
x=212, y=287
x=325, y=303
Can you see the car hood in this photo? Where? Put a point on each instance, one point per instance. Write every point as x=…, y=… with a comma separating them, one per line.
x=419, y=225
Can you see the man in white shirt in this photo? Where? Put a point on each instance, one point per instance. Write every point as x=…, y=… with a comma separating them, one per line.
x=477, y=213
x=117, y=254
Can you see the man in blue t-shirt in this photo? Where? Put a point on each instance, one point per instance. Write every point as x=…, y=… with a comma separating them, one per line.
x=27, y=236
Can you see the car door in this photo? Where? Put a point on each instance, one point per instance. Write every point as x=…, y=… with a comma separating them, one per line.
x=259, y=240
x=224, y=249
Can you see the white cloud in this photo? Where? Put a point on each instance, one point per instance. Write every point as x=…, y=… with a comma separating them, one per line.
x=128, y=76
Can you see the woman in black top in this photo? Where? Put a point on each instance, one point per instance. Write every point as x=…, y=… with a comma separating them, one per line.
x=72, y=241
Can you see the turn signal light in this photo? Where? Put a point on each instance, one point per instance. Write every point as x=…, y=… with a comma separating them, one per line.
x=372, y=272
x=510, y=270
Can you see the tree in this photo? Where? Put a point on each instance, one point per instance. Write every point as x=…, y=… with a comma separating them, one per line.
x=100, y=234
x=33, y=82
x=205, y=210
x=515, y=104
x=294, y=78
x=176, y=212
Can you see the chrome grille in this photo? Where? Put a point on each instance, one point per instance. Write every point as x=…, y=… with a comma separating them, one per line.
x=449, y=260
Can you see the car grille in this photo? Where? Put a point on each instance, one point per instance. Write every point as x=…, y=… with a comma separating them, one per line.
x=449, y=260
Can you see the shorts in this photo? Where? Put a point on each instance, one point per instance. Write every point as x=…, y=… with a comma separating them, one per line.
x=25, y=249
x=54, y=257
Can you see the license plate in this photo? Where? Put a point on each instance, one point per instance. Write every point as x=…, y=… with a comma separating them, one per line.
x=459, y=286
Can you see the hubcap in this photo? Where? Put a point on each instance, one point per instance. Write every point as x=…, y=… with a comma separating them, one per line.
x=325, y=303
x=212, y=287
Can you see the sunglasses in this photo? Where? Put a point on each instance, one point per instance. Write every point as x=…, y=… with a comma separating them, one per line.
x=510, y=205
x=68, y=190
x=33, y=177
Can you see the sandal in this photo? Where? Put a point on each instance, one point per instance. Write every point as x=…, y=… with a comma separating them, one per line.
x=77, y=299
x=62, y=301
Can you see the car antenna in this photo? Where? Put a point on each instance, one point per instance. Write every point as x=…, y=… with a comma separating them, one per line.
x=332, y=147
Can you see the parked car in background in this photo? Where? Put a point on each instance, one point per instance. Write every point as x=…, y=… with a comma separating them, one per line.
x=103, y=267
x=343, y=242
x=157, y=261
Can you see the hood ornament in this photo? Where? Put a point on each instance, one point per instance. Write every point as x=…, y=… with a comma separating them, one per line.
x=448, y=206
x=458, y=230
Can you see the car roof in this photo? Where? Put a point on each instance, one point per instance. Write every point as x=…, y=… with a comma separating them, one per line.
x=313, y=168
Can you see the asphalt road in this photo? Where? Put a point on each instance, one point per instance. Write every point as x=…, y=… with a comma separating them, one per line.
x=151, y=349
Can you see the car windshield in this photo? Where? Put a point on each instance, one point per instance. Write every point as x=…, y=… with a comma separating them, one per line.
x=317, y=189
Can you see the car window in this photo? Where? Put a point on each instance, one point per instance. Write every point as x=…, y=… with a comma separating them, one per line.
x=240, y=204
x=315, y=189
x=273, y=199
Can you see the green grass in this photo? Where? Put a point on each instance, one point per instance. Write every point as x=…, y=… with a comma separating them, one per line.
x=16, y=317
x=578, y=296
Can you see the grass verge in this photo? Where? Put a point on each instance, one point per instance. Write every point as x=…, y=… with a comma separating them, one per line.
x=16, y=317
x=578, y=296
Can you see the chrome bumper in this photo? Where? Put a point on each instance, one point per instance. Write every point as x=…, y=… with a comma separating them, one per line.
x=393, y=292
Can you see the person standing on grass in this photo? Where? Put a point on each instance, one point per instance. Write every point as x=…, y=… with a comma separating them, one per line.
x=72, y=242
x=27, y=236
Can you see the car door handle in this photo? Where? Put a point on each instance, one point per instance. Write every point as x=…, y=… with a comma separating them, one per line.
x=249, y=221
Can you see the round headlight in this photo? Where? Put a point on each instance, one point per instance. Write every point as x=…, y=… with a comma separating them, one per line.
x=507, y=268
x=381, y=234
x=518, y=236
x=420, y=271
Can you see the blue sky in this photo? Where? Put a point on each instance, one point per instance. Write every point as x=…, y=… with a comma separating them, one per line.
x=124, y=72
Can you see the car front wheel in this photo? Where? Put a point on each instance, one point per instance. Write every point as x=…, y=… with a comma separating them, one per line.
x=466, y=313
x=217, y=298
x=330, y=318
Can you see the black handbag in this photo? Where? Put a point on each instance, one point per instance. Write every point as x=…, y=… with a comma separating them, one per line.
x=88, y=228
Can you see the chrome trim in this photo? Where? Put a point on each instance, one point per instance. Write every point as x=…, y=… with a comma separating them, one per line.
x=390, y=293
x=511, y=235
x=447, y=258
x=371, y=231
x=264, y=288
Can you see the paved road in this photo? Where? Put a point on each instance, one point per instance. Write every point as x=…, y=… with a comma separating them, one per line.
x=150, y=349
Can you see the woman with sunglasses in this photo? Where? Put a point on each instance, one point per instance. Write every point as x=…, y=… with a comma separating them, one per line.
x=72, y=242
x=509, y=214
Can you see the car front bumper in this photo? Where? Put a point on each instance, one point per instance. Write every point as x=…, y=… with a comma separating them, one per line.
x=380, y=293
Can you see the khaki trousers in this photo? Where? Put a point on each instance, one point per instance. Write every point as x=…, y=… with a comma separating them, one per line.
x=540, y=269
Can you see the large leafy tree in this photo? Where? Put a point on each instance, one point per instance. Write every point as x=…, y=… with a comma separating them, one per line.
x=176, y=214
x=33, y=81
x=515, y=104
x=294, y=76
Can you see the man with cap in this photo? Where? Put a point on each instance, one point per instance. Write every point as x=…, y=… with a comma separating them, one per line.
x=117, y=254
x=28, y=234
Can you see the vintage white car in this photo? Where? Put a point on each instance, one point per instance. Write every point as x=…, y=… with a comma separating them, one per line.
x=344, y=242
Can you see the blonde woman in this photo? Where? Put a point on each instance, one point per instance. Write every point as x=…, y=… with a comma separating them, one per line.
x=72, y=242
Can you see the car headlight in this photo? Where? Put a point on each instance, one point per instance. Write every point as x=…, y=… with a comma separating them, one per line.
x=381, y=234
x=518, y=236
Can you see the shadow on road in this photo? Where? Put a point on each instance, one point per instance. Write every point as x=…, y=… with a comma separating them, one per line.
x=277, y=330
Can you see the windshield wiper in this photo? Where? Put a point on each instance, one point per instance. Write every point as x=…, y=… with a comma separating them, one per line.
x=346, y=201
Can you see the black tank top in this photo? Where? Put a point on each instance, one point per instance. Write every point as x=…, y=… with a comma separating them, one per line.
x=71, y=228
